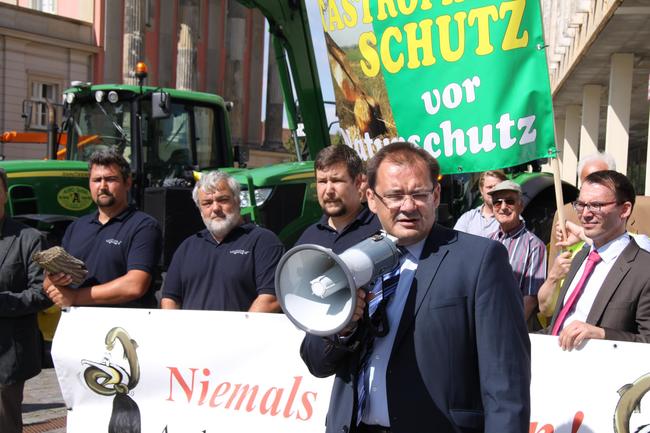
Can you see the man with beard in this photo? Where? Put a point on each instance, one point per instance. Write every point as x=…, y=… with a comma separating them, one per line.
x=229, y=266
x=119, y=244
x=346, y=221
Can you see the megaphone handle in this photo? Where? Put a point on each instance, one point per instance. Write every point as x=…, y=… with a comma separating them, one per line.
x=366, y=312
x=378, y=323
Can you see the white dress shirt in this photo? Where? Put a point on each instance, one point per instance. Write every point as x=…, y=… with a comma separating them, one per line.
x=376, y=404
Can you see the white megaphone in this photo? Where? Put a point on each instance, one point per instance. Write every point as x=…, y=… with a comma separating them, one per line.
x=318, y=288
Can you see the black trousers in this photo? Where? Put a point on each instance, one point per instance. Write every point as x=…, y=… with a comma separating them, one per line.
x=364, y=428
x=11, y=408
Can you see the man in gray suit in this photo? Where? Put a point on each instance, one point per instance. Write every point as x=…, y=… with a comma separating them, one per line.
x=446, y=349
x=21, y=298
x=606, y=294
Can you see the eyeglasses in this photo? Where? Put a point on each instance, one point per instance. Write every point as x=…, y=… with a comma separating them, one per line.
x=497, y=202
x=396, y=201
x=596, y=206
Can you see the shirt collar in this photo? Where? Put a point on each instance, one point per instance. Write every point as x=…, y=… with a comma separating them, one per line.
x=119, y=217
x=612, y=249
x=363, y=217
x=479, y=210
x=415, y=250
x=514, y=233
x=205, y=234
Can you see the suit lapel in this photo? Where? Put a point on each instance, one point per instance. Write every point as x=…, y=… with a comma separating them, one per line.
x=8, y=237
x=573, y=270
x=433, y=253
x=612, y=281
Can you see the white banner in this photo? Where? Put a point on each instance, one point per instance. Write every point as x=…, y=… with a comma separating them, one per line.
x=592, y=390
x=186, y=372
x=208, y=372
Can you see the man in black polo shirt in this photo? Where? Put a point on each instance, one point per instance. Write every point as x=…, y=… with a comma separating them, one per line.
x=229, y=266
x=119, y=244
x=346, y=221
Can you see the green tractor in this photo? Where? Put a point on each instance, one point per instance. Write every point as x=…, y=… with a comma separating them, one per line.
x=168, y=134
x=165, y=134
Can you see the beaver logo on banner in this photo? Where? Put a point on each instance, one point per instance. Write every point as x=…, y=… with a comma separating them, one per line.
x=190, y=371
x=111, y=378
x=630, y=401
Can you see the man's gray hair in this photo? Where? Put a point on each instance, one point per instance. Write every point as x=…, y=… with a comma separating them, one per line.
x=598, y=156
x=209, y=181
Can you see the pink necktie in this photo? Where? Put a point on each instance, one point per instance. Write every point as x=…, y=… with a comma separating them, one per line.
x=592, y=260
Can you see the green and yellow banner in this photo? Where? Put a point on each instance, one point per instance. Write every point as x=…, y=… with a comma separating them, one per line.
x=467, y=80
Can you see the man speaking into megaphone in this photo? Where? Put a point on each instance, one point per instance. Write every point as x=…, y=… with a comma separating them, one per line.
x=452, y=353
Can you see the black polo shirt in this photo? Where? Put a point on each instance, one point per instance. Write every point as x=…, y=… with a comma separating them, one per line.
x=131, y=240
x=227, y=276
x=362, y=227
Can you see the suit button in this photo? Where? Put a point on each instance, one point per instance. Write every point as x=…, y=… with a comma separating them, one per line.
x=344, y=429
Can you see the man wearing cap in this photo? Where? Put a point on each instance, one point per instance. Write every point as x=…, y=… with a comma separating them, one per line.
x=526, y=251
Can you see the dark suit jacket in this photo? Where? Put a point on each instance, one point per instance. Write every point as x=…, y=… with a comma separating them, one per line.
x=21, y=297
x=461, y=357
x=622, y=306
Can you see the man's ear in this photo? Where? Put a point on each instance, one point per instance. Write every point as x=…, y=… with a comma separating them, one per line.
x=372, y=203
x=361, y=184
x=627, y=210
x=359, y=180
x=520, y=205
x=436, y=195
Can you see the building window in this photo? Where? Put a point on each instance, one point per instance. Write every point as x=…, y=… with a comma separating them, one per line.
x=48, y=6
x=148, y=13
x=42, y=91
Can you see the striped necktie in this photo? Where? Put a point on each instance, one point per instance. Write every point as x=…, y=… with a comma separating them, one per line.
x=378, y=297
x=383, y=290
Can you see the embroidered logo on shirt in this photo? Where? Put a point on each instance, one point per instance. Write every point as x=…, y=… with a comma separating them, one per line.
x=113, y=242
x=242, y=252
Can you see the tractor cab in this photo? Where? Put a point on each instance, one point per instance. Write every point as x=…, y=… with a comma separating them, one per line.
x=165, y=134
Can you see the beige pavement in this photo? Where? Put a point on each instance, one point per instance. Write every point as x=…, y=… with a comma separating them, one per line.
x=43, y=406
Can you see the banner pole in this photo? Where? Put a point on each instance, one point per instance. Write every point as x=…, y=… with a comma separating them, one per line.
x=559, y=198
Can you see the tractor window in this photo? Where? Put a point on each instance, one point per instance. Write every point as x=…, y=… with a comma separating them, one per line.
x=205, y=136
x=173, y=134
x=183, y=142
x=98, y=126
